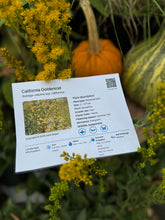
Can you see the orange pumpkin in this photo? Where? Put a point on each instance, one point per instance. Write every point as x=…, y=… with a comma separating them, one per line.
x=95, y=56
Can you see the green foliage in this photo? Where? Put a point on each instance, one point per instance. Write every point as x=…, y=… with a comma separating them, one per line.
x=10, y=211
x=128, y=192
x=7, y=92
x=99, y=5
x=24, y=2
x=135, y=16
x=7, y=137
x=1, y=64
x=7, y=147
x=144, y=122
x=1, y=22
x=159, y=195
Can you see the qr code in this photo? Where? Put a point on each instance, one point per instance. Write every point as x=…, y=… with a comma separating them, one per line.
x=111, y=83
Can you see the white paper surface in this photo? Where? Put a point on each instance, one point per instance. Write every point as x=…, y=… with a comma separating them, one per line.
x=85, y=115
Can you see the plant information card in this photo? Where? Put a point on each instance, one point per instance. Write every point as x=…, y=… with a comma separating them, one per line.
x=85, y=115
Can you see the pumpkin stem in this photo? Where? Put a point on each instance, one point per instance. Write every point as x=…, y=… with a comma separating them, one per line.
x=93, y=36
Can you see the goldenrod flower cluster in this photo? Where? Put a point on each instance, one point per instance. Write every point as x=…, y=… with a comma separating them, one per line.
x=10, y=11
x=156, y=134
x=57, y=192
x=66, y=73
x=43, y=24
x=158, y=118
x=12, y=62
x=79, y=169
x=159, y=194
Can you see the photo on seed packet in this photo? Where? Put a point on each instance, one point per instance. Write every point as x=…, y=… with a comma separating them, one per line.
x=48, y=115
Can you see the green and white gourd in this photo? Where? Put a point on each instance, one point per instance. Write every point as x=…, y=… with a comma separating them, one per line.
x=144, y=68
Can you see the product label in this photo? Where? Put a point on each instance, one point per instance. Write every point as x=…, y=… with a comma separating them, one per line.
x=85, y=115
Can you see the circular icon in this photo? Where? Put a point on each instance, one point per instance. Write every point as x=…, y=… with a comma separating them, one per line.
x=82, y=131
x=104, y=128
x=92, y=139
x=70, y=143
x=93, y=130
x=48, y=147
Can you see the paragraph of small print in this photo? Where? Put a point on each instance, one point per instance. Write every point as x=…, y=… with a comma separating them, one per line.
x=111, y=83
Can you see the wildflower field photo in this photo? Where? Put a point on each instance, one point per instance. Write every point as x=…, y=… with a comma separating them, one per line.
x=46, y=116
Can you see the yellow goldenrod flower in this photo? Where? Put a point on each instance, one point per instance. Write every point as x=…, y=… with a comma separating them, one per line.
x=79, y=169
x=42, y=25
x=12, y=62
x=157, y=119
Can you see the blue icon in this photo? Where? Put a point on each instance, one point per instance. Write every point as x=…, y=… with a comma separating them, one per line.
x=103, y=128
x=113, y=136
x=92, y=139
x=70, y=143
x=93, y=130
x=82, y=131
x=48, y=147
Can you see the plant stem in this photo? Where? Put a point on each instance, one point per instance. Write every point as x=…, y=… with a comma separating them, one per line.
x=93, y=36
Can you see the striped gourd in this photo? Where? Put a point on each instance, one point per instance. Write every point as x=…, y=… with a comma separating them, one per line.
x=144, y=68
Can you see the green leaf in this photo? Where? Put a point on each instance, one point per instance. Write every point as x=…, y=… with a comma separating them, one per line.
x=100, y=210
x=1, y=115
x=24, y=2
x=72, y=3
x=1, y=22
x=115, y=164
x=109, y=209
x=82, y=215
x=1, y=64
x=79, y=199
x=98, y=4
x=64, y=215
x=30, y=70
x=7, y=92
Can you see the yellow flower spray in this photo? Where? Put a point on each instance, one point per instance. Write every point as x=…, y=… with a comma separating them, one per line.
x=159, y=194
x=12, y=62
x=42, y=24
x=77, y=169
x=156, y=133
